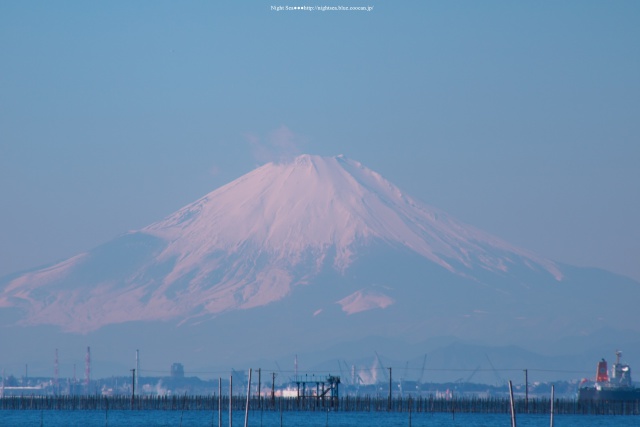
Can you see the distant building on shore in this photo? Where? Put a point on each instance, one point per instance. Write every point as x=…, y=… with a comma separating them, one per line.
x=177, y=370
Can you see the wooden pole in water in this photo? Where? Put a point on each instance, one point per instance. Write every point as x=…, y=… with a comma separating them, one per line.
x=453, y=406
x=246, y=407
x=526, y=391
x=389, y=405
x=273, y=389
x=513, y=408
x=553, y=392
x=230, y=400
x=184, y=404
x=133, y=387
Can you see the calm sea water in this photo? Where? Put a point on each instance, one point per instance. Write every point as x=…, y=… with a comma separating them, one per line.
x=295, y=419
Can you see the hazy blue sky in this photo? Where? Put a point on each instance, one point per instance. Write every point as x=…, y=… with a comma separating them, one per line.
x=521, y=118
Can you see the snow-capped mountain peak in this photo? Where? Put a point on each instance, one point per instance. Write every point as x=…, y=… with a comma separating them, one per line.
x=316, y=203
x=252, y=242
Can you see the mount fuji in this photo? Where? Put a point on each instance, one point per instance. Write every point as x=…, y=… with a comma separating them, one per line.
x=303, y=255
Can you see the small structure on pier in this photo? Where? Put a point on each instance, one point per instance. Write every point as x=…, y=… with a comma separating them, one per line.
x=318, y=388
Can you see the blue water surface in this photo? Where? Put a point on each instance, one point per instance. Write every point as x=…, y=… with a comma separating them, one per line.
x=11, y=418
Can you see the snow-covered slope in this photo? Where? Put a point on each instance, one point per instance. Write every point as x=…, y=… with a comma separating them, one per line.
x=315, y=203
x=254, y=241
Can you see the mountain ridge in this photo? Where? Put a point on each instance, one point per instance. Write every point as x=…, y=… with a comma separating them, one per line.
x=236, y=248
x=257, y=268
